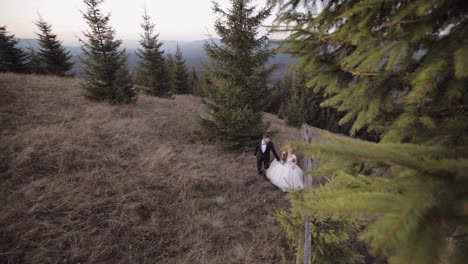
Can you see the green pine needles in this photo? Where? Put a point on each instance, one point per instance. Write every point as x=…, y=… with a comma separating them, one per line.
x=35, y=62
x=303, y=106
x=331, y=237
x=106, y=74
x=395, y=68
x=152, y=70
x=12, y=57
x=180, y=72
x=194, y=82
x=236, y=81
x=52, y=58
x=413, y=196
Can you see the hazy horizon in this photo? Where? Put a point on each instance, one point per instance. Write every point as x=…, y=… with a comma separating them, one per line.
x=176, y=20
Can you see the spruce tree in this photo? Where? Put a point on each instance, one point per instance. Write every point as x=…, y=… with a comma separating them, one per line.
x=236, y=85
x=171, y=70
x=397, y=68
x=331, y=237
x=35, y=62
x=303, y=106
x=55, y=59
x=12, y=58
x=106, y=73
x=152, y=70
x=279, y=95
x=293, y=112
x=194, y=82
x=181, y=77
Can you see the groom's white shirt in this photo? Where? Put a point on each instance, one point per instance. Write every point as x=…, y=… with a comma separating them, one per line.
x=264, y=144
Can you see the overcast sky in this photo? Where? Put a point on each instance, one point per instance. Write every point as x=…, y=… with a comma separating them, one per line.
x=183, y=20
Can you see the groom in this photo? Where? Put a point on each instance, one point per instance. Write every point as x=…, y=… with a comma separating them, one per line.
x=262, y=152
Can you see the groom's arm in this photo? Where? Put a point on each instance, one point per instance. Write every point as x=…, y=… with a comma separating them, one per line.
x=274, y=152
x=256, y=149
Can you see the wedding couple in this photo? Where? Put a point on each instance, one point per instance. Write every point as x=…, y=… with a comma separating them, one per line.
x=282, y=172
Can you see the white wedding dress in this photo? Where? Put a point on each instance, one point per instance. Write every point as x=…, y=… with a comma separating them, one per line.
x=287, y=176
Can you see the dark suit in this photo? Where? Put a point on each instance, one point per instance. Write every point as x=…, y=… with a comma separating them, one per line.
x=264, y=157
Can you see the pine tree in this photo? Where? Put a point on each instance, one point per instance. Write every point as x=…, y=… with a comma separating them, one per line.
x=303, y=106
x=398, y=69
x=411, y=197
x=195, y=82
x=152, y=70
x=279, y=95
x=106, y=73
x=331, y=237
x=300, y=105
x=181, y=77
x=171, y=70
x=35, y=62
x=293, y=112
x=237, y=77
x=55, y=59
x=12, y=58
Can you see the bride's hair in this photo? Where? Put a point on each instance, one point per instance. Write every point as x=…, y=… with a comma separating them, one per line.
x=284, y=156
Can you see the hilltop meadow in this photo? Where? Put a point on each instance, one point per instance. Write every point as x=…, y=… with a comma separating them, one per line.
x=90, y=182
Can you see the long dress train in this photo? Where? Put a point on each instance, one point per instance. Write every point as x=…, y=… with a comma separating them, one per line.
x=287, y=176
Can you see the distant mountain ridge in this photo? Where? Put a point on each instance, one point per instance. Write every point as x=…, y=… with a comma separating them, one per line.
x=193, y=51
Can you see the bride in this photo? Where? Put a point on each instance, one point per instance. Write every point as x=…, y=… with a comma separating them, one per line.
x=285, y=174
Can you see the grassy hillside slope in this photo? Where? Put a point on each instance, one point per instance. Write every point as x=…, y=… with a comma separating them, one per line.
x=93, y=183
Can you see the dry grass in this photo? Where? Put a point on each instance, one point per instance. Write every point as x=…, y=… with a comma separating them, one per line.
x=93, y=183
